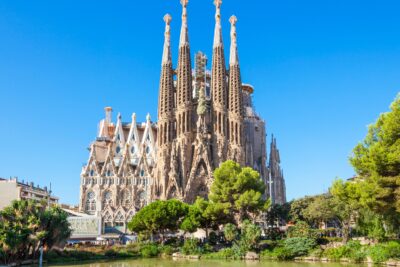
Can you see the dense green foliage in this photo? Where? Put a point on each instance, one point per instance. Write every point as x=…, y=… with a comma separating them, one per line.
x=25, y=226
x=377, y=163
x=159, y=216
x=240, y=189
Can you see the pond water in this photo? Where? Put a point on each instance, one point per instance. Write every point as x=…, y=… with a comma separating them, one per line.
x=203, y=263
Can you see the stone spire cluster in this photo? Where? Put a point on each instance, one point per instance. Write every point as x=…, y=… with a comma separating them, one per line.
x=191, y=143
x=205, y=117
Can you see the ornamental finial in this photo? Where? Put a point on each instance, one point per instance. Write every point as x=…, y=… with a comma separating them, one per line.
x=233, y=60
x=184, y=38
x=184, y=12
x=233, y=20
x=218, y=4
x=167, y=19
x=167, y=42
x=184, y=2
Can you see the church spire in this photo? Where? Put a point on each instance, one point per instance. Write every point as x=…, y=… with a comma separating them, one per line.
x=184, y=77
x=219, y=91
x=233, y=60
x=166, y=91
x=166, y=58
x=235, y=97
x=218, y=31
x=184, y=39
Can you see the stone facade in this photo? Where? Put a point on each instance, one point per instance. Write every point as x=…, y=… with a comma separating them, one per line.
x=204, y=118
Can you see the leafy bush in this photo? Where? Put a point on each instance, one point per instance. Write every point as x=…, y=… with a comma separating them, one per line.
x=383, y=252
x=225, y=253
x=149, y=251
x=299, y=246
x=352, y=250
x=282, y=253
x=166, y=250
x=191, y=247
x=302, y=229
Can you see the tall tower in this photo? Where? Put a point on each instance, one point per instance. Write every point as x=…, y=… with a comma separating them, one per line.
x=235, y=111
x=219, y=92
x=184, y=106
x=165, y=114
x=277, y=181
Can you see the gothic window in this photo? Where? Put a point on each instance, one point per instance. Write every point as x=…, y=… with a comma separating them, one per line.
x=118, y=137
x=142, y=173
x=126, y=198
x=132, y=149
x=107, y=217
x=119, y=217
x=90, y=202
x=147, y=150
x=118, y=149
x=107, y=199
x=91, y=172
x=133, y=137
x=108, y=173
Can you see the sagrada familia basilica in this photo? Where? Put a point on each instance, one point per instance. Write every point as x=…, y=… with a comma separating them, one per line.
x=204, y=118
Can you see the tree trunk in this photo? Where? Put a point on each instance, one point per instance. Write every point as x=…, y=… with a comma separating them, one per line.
x=345, y=231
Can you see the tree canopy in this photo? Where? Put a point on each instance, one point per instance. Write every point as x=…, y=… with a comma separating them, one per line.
x=159, y=216
x=377, y=163
x=27, y=225
x=240, y=189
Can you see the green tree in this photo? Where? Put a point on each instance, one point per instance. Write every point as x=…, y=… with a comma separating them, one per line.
x=346, y=204
x=230, y=232
x=377, y=163
x=250, y=235
x=27, y=225
x=159, y=217
x=239, y=189
x=206, y=215
x=301, y=229
x=320, y=210
x=298, y=208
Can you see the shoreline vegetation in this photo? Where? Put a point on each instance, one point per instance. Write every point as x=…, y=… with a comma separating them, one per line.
x=353, y=252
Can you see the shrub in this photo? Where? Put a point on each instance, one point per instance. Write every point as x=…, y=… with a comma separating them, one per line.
x=383, y=252
x=302, y=229
x=167, y=250
x=149, y=251
x=282, y=253
x=352, y=250
x=191, y=247
x=299, y=246
x=225, y=253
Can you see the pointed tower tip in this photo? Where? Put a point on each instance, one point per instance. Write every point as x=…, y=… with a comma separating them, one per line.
x=166, y=58
x=133, y=116
x=217, y=32
x=167, y=19
x=218, y=3
x=233, y=20
x=184, y=38
x=148, y=117
x=233, y=60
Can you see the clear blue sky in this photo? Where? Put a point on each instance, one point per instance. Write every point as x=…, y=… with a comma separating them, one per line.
x=322, y=71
